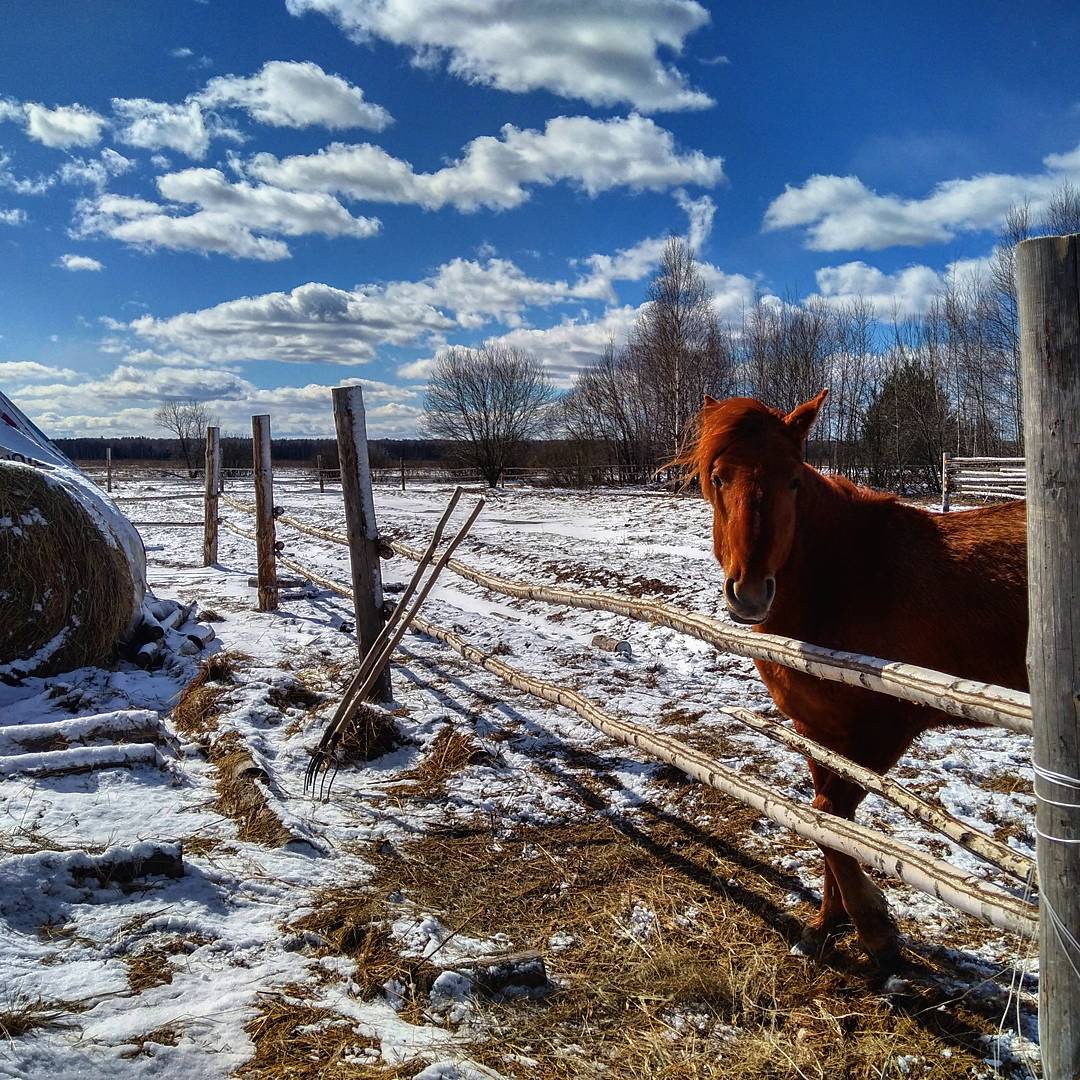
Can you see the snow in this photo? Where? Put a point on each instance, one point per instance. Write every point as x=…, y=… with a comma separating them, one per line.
x=65, y=935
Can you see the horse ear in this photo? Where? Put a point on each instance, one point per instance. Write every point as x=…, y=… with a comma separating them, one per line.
x=709, y=401
x=801, y=419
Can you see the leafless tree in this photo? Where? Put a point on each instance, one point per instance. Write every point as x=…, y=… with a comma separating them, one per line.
x=188, y=421
x=489, y=401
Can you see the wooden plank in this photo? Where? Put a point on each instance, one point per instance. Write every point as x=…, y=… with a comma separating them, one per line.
x=264, y=512
x=1048, y=289
x=361, y=527
x=212, y=474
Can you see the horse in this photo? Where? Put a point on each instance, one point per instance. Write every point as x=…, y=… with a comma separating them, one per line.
x=822, y=559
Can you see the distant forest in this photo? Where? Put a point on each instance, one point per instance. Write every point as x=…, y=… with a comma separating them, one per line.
x=236, y=452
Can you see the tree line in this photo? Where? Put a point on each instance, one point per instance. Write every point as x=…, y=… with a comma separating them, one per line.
x=902, y=388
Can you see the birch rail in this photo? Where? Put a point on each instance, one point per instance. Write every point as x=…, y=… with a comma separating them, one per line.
x=981, y=703
x=921, y=871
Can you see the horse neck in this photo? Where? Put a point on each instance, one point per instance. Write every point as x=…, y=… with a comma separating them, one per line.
x=822, y=559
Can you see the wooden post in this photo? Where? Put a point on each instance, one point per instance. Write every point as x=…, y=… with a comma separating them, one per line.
x=402, y=474
x=946, y=459
x=318, y=466
x=211, y=491
x=264, y=512
x=108, y=469
x=361, y=527
x=1048, y=290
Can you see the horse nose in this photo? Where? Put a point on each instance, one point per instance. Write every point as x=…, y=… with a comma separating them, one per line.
x=746, y=596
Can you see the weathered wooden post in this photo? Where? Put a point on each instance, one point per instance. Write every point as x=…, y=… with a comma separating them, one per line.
x=108, y=469
x=1048, y=287
x=264, y=512
x=361, y=527
x=318, y=466
x=946, y=460
x=211, y=490
x=402, y=474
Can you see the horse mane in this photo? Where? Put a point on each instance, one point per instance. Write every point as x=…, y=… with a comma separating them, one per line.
x=723, y=423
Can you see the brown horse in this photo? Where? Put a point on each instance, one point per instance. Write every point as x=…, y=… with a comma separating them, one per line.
x=817, y=558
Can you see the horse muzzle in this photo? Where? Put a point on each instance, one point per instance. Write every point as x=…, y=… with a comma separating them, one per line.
x=749, y=600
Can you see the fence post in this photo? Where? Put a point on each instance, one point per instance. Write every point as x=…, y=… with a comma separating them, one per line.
x=264, y=512
x=402, y=474
x=1048, y=289
x=318, y=466
x=946, y=459
x=211, y=491
x=361, y=527
x=108, y=469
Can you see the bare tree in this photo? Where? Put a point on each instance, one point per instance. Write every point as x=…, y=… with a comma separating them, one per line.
x=188, y=421
x=489, y=401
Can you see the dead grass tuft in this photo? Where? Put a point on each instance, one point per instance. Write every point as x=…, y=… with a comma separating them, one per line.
x=19, y=1016
x=295, y=1040
x=451, y=751
x=240, y=794
x=151, y=965
x=142, y=1044
x=371, y=733
x=196, y=710
x=294, y=695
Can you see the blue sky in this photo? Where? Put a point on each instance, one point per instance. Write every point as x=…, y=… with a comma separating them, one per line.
x=253, y=202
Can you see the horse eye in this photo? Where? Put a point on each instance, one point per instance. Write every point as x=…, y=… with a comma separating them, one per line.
x=717, y=482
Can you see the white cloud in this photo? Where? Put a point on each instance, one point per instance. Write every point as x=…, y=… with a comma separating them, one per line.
x=95, y=172
x=292, y=94
x=22, y=185
x=605, y=54
x=63, y=126
x=159, y=125
x=78, y=262
x=13, y=217
x=842, y=213
x=20, y=371
x=596, y=155
x=238, y=219
x=904, y=293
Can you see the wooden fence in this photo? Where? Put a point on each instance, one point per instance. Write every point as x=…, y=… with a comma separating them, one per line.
x=981, y=478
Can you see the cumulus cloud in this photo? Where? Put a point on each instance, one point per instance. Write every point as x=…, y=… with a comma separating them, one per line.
x=605, y=54
x=63, y=126
x=160, y=125
x=495, y=172
x=238, y=219
x=13, y=217
x=292, y=94
x=906, y=292
x=24, y=371
x=95, y=172
x=123, y=402
x=22, y=185
x=78, y=262
x=841, y=213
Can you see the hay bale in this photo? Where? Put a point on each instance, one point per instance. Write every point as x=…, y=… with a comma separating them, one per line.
x=70, y=588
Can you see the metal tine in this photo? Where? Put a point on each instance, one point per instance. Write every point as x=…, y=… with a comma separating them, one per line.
x=402, y=625
x=319, y=758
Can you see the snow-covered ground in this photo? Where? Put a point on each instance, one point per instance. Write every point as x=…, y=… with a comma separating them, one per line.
x=74, y=938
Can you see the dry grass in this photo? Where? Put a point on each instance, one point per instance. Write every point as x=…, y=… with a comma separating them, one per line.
x=296, y=1039
x=19, y=1016
x=151, y=965
x=240, y=795
x=61, y=574
x=370, y=734
x=294, y=695
x=196, y=710
x=676, y=963
x=451, y=751
x=142, y=1044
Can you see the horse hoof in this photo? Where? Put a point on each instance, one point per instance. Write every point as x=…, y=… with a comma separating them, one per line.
x=811, y=945
x=888, y=960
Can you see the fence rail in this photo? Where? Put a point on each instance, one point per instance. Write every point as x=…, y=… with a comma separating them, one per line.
x=982, y=478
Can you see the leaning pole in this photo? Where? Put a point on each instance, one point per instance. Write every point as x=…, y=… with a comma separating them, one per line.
x=1048, y=288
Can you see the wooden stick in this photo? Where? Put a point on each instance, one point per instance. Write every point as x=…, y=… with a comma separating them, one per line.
x=946, y=458
x=919, y=870
x=360, y=523
x=978, y=843
x=210, y=496
x=108, y=469
x=264, y=512
x=1048, y=291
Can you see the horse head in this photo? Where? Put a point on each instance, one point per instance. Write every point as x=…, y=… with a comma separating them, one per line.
x=748, y=459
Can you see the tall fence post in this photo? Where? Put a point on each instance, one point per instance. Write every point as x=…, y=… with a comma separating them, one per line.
x=211, y=491
x=264, y=512
x=108, y=469
x=1048, y=288
x=361, y=527
x=318, y=466
x=946, y=459
x=402, y=474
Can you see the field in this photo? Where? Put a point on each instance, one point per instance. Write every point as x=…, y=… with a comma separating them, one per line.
x=340, y=937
